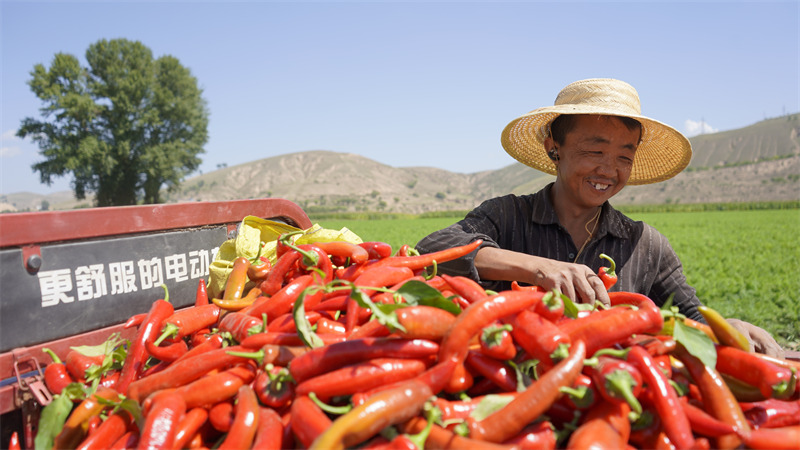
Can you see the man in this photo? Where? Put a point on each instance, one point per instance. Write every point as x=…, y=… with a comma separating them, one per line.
x=595, y=141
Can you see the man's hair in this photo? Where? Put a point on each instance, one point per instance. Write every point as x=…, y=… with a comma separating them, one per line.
x=564, y=123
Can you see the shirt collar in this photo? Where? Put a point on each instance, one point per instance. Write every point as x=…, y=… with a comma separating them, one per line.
x=611, y=220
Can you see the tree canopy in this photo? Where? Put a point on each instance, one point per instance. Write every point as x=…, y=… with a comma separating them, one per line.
x=125, y=126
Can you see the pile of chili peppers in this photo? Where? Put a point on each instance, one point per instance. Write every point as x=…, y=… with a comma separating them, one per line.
x=338, y=345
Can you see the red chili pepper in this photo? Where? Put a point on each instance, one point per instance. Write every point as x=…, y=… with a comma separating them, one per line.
x=308, y=420
x=618, y=381
x=496, y=342
x=424, y=322
x=772, y=413
x=184, y=372
x=245, y=422
x=161, y=422
x=56, y=375
x=551, y=307
x=241, y=325
x=360, y=376
x=370, y=329
x=655, y=345
x=441, y=438
x=274, y=386
x=608, y=275
x=110, y=379
x=531, y=403
x=259, y=340
x=188, y=427
x=167, y=353
x=356, y=253
x=606, y=328
x=581, y=395
x=676, y=424
x=785, y=438
x=74, y=430
x=498, y=371
x=333, y=356
x=287, y=324
x=201, y=296
x=373, y=278
x=391, y=406
x=274, y=280
x=220, y=416
x=472, y=320
x=718, y=400
x=605, y=426
x=137, y=354
x=322, y=263
x=218, y=387
x=325, y=325
x=77, y=364
x=13, y=442
x=468, y=288
x=282, y=301
x=127, y=441
x=188, y=321
x=270, y=430
x=704, y=423
x=419, y=262
x=213, y=342
x=771, y=380
x=134, y=321
x=536, y=436
x=377, y=250
x=259, y=269
x=237, y=279
x=539, y=337
x=108, y=431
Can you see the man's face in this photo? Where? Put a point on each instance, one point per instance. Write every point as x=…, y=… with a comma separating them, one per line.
x=595, y=159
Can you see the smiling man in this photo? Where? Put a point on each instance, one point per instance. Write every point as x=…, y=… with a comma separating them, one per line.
x=595, y=141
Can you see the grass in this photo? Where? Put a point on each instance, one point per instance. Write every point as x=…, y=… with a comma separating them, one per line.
x=745, y=263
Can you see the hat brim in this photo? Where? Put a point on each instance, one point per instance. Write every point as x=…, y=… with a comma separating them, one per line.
x=662, y=153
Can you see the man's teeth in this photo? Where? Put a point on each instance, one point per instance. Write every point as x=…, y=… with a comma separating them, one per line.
x=601, y=187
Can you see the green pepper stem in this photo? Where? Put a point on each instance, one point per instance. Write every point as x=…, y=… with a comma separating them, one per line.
x=166, y=293
x=620, y=382
x=56, y=359
x=170, y=329
x=612, y=269
x=338, y=410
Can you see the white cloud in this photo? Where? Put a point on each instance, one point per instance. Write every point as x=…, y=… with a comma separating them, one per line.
x=693, y=128
x=7, y=152
x=9, y=137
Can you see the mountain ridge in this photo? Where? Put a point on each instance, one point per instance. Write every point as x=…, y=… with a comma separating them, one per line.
x=760, y=162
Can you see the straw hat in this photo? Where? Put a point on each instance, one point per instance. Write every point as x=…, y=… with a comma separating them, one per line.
x=662, y=153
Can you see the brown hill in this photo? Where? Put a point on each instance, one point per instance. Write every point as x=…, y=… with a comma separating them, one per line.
x=756, y=163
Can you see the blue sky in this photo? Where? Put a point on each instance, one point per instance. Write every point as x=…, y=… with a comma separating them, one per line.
x=412, y=83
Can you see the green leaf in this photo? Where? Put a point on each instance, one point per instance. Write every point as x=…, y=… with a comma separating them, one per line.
x=385, y=315
x=304, y=330
x=104, y=349
x=697, y=343
x=490, y=404
x=416, y=292
x=51, y=421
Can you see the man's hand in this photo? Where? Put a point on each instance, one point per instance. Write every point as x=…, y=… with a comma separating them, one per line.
x=576, y=281
x=760, y=340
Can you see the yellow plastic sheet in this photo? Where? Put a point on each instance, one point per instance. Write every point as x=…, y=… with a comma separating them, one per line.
x=252, y=232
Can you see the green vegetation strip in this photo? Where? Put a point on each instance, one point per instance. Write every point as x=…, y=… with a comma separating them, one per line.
x=743, y=260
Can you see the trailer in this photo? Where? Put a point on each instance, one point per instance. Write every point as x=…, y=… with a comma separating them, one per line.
x=72, y=278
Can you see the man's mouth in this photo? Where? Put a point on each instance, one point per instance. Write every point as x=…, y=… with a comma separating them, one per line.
x=601, y=186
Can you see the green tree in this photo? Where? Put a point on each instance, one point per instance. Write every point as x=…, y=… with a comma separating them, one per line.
x=124, y=127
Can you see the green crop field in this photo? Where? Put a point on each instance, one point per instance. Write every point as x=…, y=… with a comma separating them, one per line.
x=744, y=264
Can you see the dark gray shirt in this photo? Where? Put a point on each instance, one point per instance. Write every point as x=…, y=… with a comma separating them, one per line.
x=646, y=263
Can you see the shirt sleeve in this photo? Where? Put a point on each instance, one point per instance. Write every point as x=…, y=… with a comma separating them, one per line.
x=480, y=223
x=669, y=278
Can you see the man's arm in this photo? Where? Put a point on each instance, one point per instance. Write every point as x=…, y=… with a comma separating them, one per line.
x=576, y=281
